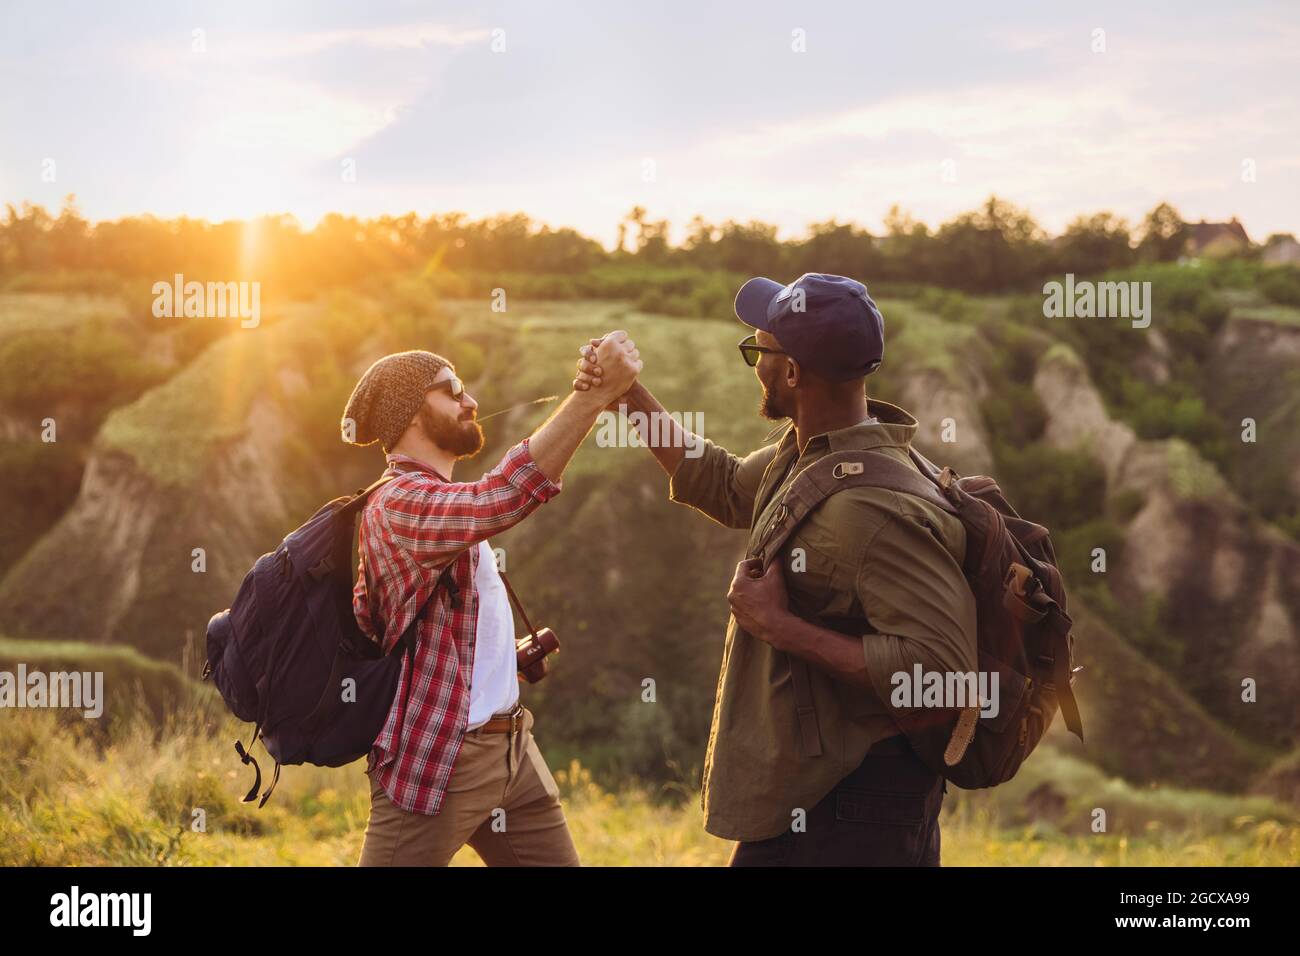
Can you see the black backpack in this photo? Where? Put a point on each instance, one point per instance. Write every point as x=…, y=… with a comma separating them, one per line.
x=1024, y=632
x=280, y=654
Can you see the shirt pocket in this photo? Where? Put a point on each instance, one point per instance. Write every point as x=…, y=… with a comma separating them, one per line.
x=818, y=586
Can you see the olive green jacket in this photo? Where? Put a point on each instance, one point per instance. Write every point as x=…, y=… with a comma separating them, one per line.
x=870, y=562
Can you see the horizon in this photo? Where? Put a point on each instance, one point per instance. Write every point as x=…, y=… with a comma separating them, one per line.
x=675, y=240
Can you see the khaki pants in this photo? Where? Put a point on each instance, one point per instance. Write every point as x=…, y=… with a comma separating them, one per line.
x=501, y=800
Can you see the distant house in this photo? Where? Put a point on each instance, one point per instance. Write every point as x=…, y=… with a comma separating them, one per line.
x=1215, y=238
x=1281, y=250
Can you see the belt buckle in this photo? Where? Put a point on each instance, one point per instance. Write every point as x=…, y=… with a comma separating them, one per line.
x=516, y=716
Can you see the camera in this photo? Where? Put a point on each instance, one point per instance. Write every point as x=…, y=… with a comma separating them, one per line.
x=531, y=653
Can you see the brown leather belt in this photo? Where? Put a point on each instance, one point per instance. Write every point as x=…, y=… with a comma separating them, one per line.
x=502, y=723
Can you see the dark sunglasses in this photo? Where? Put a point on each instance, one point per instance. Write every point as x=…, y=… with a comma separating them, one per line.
x=751, y=351
x=453, y=385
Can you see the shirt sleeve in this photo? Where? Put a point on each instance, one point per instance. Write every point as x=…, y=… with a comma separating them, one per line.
x=720, y=484
x=916, y=597
x=434, y=521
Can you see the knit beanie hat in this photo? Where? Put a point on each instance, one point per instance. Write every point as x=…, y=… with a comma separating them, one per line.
x=389, y=395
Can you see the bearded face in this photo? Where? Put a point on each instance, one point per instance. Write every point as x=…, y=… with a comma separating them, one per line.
x=458, y=434
x=775, y=403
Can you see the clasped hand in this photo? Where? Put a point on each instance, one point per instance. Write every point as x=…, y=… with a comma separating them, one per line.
x=608, y=367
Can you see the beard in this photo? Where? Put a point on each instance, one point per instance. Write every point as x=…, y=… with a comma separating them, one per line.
x=770, y=406
x=461, y=437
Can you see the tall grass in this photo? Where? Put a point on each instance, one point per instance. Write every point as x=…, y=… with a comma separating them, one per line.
x=168, y=793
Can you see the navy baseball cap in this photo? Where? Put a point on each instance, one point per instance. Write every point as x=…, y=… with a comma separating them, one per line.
x=828, y=324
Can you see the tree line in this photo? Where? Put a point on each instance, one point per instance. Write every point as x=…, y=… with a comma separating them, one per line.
x=996, y=247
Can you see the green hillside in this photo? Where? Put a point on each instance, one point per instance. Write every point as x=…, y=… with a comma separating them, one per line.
x=240, y=443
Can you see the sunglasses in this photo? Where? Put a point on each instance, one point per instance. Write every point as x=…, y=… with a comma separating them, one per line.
x=751, y=351
x=453, y=385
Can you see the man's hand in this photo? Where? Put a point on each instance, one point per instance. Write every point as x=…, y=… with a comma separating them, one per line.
x=590, y=374
x=759, y=602
x=761, y=608
x=555, y=442
x=618, y=363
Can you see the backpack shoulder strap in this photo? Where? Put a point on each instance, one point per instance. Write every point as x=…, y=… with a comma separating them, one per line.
x=358, y=500
x=826, y=476
x=839, y=472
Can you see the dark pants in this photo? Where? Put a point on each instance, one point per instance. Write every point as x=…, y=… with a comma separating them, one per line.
x=885, y=813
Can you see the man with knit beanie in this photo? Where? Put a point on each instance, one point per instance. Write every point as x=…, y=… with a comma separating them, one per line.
x=456, y=762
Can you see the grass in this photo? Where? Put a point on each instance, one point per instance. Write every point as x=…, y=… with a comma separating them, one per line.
x=69, y=798
x=45, y=311
x=921, y=341
x=174, y=431
x=128, y=674
x=1279, y=314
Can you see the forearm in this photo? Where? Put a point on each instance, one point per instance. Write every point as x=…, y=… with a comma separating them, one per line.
x=839, y=655
x=556, y=441
x=672, y=442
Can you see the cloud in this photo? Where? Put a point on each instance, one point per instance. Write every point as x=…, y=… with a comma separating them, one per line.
x=266, y=111
x=247, y=49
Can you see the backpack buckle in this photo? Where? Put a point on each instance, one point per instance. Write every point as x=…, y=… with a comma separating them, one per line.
x=845, y=468
x=781, y=513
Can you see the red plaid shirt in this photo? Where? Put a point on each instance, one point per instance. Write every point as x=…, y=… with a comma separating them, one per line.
x=412, y=528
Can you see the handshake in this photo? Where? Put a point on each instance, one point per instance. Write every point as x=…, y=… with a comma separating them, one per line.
x=608, y=367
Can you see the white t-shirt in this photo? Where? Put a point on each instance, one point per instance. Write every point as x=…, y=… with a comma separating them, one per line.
x=493, y=688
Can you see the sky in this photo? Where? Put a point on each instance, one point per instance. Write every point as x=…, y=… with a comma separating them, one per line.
x=789, y=113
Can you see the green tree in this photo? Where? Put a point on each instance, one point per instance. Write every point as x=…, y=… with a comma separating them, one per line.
x=1164, y=234
x=1092, y=244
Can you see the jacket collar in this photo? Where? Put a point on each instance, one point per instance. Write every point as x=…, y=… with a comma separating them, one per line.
x=893, y=428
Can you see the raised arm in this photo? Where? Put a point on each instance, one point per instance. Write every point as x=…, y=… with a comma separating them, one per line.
x=554, y=443
x=710, y=479
x=436, y=521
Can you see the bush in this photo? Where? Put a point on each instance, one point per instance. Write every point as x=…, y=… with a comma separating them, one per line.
x=1014, y=414
x=99, y=282
x=1059, y=489
x=1074, y=548
x=1281, y=285
x=948, y=304
x=98, y=369
x=1127, y=504
x=41, y=481
x=651, y=300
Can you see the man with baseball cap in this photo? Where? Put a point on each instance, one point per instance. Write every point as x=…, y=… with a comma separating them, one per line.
x=805, y=763
x=456, y=762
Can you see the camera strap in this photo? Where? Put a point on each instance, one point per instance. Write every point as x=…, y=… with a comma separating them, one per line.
x=514, y=599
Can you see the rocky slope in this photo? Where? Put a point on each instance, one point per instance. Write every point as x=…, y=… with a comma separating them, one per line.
x=1227, y=585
